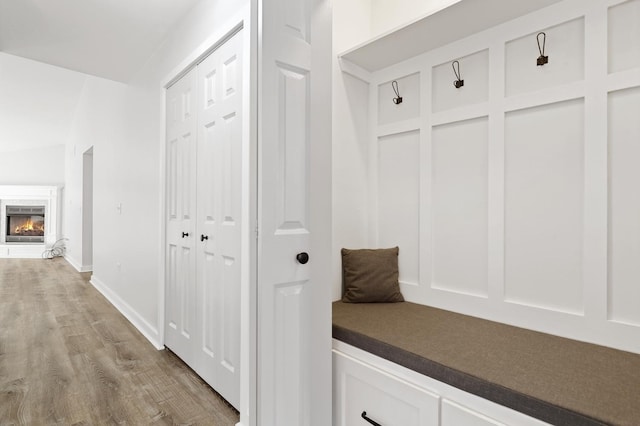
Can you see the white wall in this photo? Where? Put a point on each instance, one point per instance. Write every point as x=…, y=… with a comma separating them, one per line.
x=99, y=123
x=128, y=138
x=50, y=116
x=514, y=197
x=351, y=25
x=35, y=166
x=37, y=105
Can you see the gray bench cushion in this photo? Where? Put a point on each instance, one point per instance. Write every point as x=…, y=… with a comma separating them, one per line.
x=557, y=380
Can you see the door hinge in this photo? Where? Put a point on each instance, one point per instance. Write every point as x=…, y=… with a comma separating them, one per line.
x=257, y=231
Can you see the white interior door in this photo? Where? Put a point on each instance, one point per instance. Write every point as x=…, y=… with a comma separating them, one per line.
x=180, y=262
x=204, y=204
x=294, y=188
x=219, y=217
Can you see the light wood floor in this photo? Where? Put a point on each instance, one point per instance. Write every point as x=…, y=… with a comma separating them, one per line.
x=67, y=357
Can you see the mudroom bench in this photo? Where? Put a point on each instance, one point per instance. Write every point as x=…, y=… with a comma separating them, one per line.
x=408, y=364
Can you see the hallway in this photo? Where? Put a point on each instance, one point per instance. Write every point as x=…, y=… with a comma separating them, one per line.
x=68, y=357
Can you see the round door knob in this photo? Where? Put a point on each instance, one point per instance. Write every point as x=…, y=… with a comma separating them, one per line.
x=203, y=237
x=185, y=234
x=302, y=258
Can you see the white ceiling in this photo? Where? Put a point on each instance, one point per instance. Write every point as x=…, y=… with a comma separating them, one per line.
x=105, y=38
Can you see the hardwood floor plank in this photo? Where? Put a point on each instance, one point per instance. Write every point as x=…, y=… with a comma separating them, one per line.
x=12, y=402
x=68, y=357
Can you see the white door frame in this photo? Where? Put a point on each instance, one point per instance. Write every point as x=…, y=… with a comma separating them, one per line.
x=86, y=256
x=242, y=21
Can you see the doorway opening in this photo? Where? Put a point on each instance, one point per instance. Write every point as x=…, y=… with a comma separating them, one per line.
x=87, y=210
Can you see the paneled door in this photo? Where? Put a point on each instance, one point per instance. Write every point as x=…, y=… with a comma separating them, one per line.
x=219, y=217
x=180, y=256
x=204, y=202
x=294, y=210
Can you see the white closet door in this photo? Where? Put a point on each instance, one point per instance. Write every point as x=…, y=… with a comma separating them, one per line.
x=219, y=209
x=294, y=298
x=180, y=262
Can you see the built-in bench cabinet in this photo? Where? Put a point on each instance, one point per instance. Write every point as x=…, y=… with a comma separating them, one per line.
x=411, y=364
x=512, y=198
x=363, y=390
x=392, y=395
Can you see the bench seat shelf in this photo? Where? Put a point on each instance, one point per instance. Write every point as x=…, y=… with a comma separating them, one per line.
x=410, y=364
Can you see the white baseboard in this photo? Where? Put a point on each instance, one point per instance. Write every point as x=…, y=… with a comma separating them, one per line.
x=143, y=326
x=77, y=265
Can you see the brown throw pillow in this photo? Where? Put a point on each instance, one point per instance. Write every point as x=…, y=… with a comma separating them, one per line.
x=370, y=276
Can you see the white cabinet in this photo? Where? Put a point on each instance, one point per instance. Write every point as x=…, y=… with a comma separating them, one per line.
x=203, y=218
x=454, y=414
x=392, y=395
x=360, y=389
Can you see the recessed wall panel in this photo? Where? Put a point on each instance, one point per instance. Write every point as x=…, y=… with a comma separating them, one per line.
x=186, y=105
x=172, y=178
x=231, y=155
x=473, y=70
x=185, y=167
x=409, y=90
x=207, y=199
x=564, y=47
x=624, y=36
x=459, y=206
x=210, y=89
x=544, y=193
x=296, y=19
x=624, y=206
x=172, y=286
x=186, y=293
x=292, y=203
x=291, y=300
x=174, y=114
x=230, y=320
x=229, y=86
x=399, y=200
x=209, y=304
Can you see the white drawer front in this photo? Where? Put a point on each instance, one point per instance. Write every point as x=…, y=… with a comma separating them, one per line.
x=386, y=399
x=456, y=415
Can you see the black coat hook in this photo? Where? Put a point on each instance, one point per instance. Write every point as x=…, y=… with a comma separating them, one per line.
x=458, y=82
x=398, y=99
x=542, y=59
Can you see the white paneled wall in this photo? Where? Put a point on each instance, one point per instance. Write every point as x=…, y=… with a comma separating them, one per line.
x=474, y=72
x=624, y=206
x=624, y=36
x=459, y=172
x=563, y=45
x=390, y=112
x=399, y=200
x=544, y=206
x=506, y=196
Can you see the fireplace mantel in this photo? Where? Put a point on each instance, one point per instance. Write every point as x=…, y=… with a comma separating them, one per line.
x=48, y=196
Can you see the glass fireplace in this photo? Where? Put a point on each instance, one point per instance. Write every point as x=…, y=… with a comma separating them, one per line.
x=25, y=224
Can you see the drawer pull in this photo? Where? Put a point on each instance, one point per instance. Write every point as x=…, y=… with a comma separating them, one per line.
x=364, y=416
